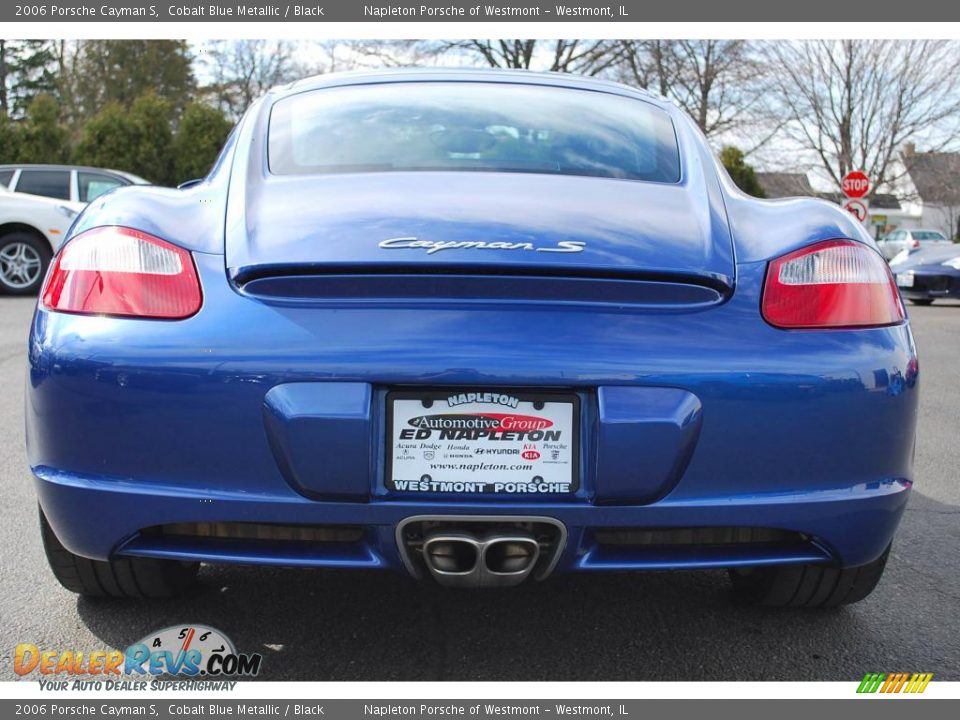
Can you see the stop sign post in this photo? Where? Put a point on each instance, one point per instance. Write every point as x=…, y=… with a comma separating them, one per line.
x=855, y=186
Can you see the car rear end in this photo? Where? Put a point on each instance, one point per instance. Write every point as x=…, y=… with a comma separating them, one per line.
x=478, y=376
x=929, y=274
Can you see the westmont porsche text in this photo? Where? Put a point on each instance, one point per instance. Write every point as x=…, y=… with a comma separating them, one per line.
x=480, y=327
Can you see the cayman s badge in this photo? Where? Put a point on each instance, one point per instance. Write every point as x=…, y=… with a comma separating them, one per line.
x=434, y=246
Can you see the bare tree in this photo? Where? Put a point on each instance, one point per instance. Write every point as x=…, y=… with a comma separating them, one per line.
x=242, y=70
x=382, y=53
x=720, y=83
x=649, y=64
x=583, y=57
x=854, y=103
x=4, y=101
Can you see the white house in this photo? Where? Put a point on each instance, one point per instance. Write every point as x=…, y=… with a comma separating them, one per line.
x=935, y=181
x=925, y=193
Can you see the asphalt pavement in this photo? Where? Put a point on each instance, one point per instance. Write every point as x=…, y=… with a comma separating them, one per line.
x=330, y=625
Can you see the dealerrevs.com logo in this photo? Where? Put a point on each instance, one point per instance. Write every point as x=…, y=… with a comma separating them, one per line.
x=187, y=651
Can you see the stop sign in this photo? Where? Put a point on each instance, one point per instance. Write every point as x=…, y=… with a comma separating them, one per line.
x=855, y=184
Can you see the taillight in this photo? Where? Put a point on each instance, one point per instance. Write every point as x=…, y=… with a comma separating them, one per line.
x=833, y=284
x=915, y=244
x=124, y=272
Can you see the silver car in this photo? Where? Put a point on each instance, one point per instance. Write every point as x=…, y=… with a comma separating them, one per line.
x=895, y=242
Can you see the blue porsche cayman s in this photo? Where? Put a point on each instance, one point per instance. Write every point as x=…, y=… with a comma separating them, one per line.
x=478, y=327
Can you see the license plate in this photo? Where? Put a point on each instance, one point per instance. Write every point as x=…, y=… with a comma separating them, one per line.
x=905, y=279
x=477, y=442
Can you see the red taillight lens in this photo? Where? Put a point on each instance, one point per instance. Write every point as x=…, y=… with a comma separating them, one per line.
x=125, y=272
x=833, y=284
x=915, y=244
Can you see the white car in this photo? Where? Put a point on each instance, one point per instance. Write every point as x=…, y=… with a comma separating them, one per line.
x=78, y=183
x=31, y=230
x=892, y=244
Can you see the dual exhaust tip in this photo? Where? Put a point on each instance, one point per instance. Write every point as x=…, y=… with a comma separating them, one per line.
x=464, y=560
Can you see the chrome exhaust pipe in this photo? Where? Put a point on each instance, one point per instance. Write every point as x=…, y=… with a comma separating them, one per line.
x=453, y=559
x=464, y=560
x=510, y=559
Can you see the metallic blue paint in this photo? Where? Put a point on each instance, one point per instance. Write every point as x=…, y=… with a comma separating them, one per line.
x=297, y=415
x=645, y=441
x=268, y=406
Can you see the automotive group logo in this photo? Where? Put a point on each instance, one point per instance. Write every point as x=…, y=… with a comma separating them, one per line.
x=189, y=651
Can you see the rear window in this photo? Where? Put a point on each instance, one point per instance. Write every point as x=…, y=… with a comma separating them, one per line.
x=5, y=177
x=472, y=127
x=927, y=235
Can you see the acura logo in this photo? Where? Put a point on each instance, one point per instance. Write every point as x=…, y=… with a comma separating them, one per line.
x=431, y=246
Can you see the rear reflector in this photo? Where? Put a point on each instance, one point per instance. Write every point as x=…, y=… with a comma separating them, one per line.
x=123, y=272
x=260, y=531
x=698, y=536
x=832, y=284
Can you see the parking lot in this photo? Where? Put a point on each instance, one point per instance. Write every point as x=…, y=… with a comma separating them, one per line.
x=325, y=625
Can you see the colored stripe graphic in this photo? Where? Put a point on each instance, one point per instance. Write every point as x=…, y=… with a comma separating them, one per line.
x=894, y=682
x=870, y=683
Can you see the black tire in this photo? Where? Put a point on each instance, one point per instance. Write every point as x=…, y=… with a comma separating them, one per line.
x=808, y=586
x=922, y=301
x=117, y=578
x=36, y=246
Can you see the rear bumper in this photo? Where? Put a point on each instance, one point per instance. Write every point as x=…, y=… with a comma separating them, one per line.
x=930, y=286
x=98, y=517
x=133, y=424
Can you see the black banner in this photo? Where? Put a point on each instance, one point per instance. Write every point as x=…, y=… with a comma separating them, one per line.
x=376, y=11
x=216, y=707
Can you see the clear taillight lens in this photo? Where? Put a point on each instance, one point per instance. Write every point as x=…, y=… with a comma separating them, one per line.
x=833, y=284
x=123, y=272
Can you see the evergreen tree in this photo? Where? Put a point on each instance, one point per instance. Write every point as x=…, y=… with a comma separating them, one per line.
x=138, y=140
x=123, y=70
x=28, y=68
x=9, y=140
x=740, y=172
x=108, y=140
x=201, y=134
x=42, y=137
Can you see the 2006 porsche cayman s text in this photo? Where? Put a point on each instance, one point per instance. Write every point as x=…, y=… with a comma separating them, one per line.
x=480, y=327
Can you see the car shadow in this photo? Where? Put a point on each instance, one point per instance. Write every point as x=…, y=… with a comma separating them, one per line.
x=941, y=303
x=370, y=625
